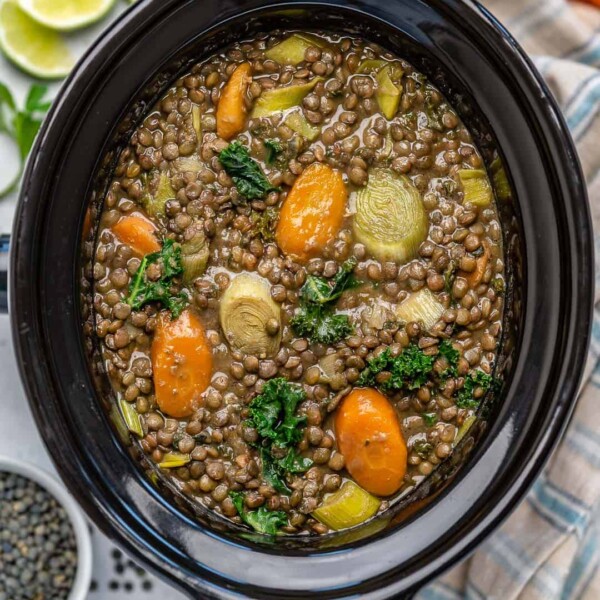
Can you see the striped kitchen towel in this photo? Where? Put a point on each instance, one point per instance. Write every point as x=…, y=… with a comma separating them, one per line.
x=550, y=546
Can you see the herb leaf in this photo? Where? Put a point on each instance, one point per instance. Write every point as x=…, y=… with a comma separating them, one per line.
x=451, y=354
x=476, y=379
x=316, y=319
x=246, y=173
x=21, y=125
x=274, y=148
x=262, y=520
x=142, y=290
x=273, y=414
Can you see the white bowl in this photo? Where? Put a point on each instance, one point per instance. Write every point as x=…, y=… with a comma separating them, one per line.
x=83, y=575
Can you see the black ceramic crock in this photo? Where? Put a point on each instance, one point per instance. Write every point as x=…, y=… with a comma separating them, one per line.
x=498, y=93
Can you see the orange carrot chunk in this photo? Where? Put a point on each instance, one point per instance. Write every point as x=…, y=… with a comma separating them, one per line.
x=369, y=436
x=312, y=213
x=137, y=232
x=181, y=364
x=475, y=277
x=231, y=111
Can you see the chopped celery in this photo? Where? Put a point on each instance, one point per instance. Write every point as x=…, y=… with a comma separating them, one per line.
x=390, y=219
x=464, y=428
x=371, y=65
x=349, y=506
x=155, y=204
x=421, y=307
x=131, y=417
x=281, y=98
x=173, y=460
x=197, y=121
x=389, y=91
x=501, y=183
x=476, y=187
x=291, y=51
x=298, y=123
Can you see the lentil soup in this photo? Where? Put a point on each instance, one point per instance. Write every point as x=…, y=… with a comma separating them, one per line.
x=298, y=282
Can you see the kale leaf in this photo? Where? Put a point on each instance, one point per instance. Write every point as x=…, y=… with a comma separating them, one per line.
x=246, y=173
x=274, y=148
x=409, y=370
x=430, y=419
x=142, y=290
x=476, y=379
x=316, y=318
x=273, y=414
x=451, y=354
x=262, y=520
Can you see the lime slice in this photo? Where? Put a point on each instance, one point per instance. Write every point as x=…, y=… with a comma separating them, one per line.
x=31, y=46
x=66, y=15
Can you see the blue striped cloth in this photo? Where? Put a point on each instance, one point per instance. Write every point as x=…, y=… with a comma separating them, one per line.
x=550, y=546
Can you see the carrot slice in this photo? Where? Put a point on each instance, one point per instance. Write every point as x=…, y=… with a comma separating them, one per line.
x=474, y=277
x=137, y=232
x=369, y=436
x=231, y=112
x=181, y=364
x=312, y=213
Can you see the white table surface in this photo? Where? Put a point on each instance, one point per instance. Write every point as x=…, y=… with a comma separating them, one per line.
x=115, y=577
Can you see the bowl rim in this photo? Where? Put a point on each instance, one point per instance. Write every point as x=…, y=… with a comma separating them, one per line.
x=81, y=528
x=513, y=490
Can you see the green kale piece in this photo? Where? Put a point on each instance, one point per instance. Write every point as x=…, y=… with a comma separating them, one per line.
x=409, y=370
x=316, y=318
x=142, y=290
x=430, y=419
x=273, y=414
x=451, y=354
x=261, y=520
x=246, y=173
x=274, y=148
x=476, y=379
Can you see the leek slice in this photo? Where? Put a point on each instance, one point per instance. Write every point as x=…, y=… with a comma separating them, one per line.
x=131, y=417
x=248, y=315
x=298, y=123
x=421, y=307
x=155, y=204
x=464, y=428
x=173, y=460
x=292, y=50
x=371, y=65
x=390, y=219
x=192, y=164
x=195, y=251
x=389, y=91
x=476, y=187
x=349, y=506
x=197, y=121
x=281, y=98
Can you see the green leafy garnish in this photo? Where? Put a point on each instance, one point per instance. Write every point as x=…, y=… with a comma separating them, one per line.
x=274, y=148
x=409, y=370
x=422, y=449
x=261, y=520
x=477, y=379
x=22, y=125
x=430, y=419
x=246, y=173
x=142, y=290
x=273, y=414
x=451, y=354
x=264, y=223
x=316, y=318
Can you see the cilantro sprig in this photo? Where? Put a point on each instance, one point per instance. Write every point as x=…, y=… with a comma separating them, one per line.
x=273, y=414
x=261, y=520
x=22, y=124
x=142, y=290
x=316, y=318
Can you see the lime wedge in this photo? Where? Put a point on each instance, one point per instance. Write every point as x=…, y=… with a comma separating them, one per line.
x=66, y=15
x=31, y=46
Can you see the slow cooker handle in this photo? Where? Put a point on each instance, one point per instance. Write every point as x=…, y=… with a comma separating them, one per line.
x=4, y=246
